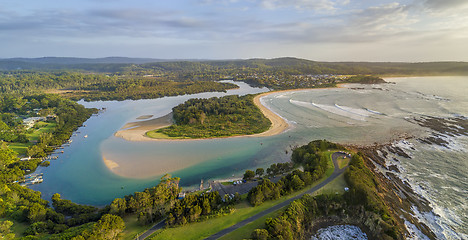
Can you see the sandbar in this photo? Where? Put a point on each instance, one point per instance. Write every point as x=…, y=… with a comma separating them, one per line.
x=110, y=164
x=144, y=117
x=136, y=131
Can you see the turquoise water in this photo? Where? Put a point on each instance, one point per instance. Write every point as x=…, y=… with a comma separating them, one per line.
x=79, y=173
x=355, y=114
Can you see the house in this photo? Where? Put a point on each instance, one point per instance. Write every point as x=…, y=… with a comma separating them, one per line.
x=29, y=122
x=181, y=195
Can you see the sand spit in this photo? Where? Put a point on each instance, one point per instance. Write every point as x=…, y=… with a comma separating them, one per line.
x=136, y=131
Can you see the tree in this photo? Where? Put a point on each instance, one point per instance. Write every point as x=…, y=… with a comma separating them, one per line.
x=260, y=234
x=296, y=183
x=259, y=172
x=108, y=227
x=7, y=156
x=249, y=174
x=256, y=196
x=118, y=207
x=5, y=230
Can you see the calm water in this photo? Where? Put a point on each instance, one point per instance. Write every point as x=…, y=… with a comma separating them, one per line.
x=355, y=114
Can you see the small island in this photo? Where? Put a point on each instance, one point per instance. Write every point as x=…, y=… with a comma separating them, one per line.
x=214, y=117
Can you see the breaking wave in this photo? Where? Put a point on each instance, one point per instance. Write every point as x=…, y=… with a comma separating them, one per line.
x=344, y=111
x=340, y=232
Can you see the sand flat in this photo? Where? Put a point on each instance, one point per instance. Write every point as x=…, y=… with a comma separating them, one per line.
x=136, y=131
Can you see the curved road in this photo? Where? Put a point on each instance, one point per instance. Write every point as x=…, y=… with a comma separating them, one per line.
x=242, y=223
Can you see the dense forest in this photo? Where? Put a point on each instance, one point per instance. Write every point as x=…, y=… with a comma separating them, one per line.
x=92, y=87
x=216, y=117
x=120, y=78
x=199, y=207
x=361, y=206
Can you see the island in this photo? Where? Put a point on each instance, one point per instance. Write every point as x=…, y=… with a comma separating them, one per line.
x=229, y=116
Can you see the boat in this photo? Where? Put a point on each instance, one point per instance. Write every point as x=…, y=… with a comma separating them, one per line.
x=85, y=136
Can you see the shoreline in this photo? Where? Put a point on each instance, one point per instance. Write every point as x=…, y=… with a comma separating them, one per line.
x=136, y=131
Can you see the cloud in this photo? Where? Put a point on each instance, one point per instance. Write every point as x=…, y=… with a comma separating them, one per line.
x=327, y=5
x=444, y=4
x=372, y=24
x=98, y=23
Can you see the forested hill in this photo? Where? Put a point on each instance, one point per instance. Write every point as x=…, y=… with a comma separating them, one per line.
x=287, y=65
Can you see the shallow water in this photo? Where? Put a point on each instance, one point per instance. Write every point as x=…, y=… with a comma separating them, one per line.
x=350, y=115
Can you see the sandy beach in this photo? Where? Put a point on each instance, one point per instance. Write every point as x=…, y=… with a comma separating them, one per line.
x=136, y=131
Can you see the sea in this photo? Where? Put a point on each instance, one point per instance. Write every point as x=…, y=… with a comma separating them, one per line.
x=393, y=113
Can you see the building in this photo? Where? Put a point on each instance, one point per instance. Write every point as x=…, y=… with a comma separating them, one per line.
x=29, y=122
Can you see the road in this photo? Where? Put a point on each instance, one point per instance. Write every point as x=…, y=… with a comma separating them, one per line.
x=337, y=172
x=334, y=175
x=152, y=230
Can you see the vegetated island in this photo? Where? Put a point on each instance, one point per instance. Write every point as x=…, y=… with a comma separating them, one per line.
x=215, y=117
x=227, y=116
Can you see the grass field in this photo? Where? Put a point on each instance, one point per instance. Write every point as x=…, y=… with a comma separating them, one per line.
x=245, y=231
x=44, y=127
x=334, y=187
x=343, y=162
x=18, y=228
x=19, y=148
x=132, y=227
x=244, y=210
x=158, y=135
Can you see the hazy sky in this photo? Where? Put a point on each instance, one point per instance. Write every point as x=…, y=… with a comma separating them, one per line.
x=327, y=30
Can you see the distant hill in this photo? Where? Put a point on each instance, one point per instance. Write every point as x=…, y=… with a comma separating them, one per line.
x=288, y=65
x=72, y=60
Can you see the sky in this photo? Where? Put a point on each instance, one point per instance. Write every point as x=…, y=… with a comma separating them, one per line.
x=321, y=30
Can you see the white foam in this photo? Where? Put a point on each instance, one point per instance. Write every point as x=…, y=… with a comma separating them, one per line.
x=441, y=220
x=331, y=109
x=374, y=112
x=357, y=111
x=340, y=232
x=414, y=232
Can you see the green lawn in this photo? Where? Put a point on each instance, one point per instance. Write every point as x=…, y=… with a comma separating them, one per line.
x=244, y=210
x=246, y=231
x=43, y=128
x=18, y=228
x=227, y=183
x=335, y=186
x=331, y=166
x=343, y=162
x=19, y=148
x=132, y=227
x=158, y=135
